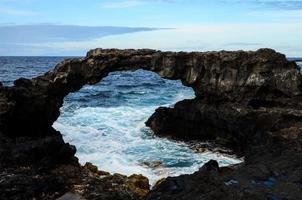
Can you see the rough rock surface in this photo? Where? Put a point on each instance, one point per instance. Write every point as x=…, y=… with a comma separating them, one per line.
x=247, y=101
x=70, y=182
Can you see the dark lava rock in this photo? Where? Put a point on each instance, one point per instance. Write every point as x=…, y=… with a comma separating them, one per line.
x=249, y=102
x=70, y=181
x=212, y=165
x=253, y=77
x=262, y=123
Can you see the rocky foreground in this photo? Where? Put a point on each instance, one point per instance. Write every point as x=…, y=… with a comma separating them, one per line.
x=249, y=102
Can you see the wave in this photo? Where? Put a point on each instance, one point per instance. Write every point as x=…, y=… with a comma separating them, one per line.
x=116, y=140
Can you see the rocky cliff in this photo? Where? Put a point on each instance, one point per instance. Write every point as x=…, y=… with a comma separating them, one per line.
x=246, y=101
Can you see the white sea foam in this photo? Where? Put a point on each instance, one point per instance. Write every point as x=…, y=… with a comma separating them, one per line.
x=106, y=124
x=116, y=140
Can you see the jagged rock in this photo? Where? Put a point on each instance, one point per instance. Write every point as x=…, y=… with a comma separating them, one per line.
x=212, y=165
x=69, y=181
x=247, y=101
x=236, y=126
x=235, y=76
x=264, y=126
x=139, y=184
x=89, y=166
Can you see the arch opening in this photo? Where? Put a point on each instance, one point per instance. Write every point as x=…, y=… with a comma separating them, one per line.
x=106, y=123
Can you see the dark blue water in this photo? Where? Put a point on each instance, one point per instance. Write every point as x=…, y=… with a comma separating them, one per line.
x=12, y=68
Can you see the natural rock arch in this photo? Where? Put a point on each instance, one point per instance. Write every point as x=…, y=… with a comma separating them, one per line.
x=239, y=95
x=31, y=106
x=234, y=76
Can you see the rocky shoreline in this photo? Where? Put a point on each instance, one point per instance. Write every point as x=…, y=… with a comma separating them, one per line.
x=249, y=102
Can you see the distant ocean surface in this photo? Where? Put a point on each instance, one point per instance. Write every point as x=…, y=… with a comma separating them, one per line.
x=106, y=121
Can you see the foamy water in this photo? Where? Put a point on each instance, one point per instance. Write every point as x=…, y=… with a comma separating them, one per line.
x=106, y=123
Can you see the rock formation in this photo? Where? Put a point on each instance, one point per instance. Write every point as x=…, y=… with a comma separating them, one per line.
x=247, y=101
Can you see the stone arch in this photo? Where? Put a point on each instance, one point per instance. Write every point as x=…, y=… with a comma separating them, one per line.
x=242, y=93
x=30, y=107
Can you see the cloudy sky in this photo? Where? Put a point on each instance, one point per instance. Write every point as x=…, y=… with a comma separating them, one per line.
x=71, y=27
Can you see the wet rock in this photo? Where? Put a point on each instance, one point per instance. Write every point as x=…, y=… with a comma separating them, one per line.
x=212, y=165
x=152, y=164
x=203, y=184
x=89, y=166
x=157, y=184
x=139, y=184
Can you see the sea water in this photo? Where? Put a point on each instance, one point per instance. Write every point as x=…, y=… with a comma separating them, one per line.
x=106, y=122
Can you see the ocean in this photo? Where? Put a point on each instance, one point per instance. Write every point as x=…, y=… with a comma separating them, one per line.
x=106, y=121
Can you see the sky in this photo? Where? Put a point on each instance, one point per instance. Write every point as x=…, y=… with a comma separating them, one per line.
x=72, y=27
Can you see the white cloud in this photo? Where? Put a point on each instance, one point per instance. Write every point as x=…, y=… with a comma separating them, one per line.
x=282, y=37
x=196, y=37
x=53, y=39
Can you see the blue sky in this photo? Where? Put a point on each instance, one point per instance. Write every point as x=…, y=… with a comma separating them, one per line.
x=72, y=27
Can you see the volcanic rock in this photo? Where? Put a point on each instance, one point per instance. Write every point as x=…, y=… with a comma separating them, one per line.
x=248, y=101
